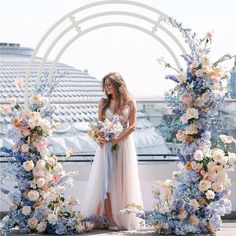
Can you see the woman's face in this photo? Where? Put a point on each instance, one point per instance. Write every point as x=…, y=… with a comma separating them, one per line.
x=109, y=89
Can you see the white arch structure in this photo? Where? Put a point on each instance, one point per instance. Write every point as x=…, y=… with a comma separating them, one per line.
x=75, y=24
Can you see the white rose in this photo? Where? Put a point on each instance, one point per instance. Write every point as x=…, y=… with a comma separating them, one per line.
x=198, y=155
x=199, y=73
x=25, y=148
x=194, y=203
x=41, y=227
x=32, y=223
x=33, y=195
x=40, y=182
x=52, y=218
x=192, y=113
x=26, y=210
x=204, y=185
x=191, y=129
x=28, y=165
x=218, y=155
x=210, y=194
x=217, y=187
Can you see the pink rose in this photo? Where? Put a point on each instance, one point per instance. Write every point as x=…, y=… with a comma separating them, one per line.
x=55, y=179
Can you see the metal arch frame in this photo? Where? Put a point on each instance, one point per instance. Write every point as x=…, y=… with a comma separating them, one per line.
x=75, y=25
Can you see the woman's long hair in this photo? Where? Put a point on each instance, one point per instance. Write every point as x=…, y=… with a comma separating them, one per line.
x=122, y=95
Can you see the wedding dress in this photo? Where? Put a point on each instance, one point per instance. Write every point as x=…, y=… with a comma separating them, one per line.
x=123, y=185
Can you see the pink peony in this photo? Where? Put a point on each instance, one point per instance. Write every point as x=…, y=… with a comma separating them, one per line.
x=55, y=179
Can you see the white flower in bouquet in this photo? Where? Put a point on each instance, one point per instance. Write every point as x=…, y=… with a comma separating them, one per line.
x=41, y=227
x=33, y=195
x=26, y=210
x=218, y=155
x=191, y=129
x=25, y=147
x=194, y=203
x=32, y=223
x=217, y=187
x=40, y=182
x=210, y=194
x=204, y=185
x=192, y=113
x=52, y=218
x=28, y=165
x=198, y=155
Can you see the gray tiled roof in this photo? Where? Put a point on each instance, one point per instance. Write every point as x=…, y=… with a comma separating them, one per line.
x=71, y=111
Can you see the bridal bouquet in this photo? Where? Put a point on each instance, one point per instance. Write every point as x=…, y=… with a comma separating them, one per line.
x=108, y=129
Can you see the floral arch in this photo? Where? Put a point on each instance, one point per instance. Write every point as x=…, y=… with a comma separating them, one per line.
x=197, y=199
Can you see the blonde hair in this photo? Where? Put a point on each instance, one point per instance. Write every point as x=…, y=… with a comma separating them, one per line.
x=122, y=94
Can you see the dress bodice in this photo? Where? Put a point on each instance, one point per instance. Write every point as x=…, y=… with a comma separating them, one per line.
x=124, y=118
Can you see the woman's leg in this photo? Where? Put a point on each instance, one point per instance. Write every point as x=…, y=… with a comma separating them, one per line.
x=108, y=211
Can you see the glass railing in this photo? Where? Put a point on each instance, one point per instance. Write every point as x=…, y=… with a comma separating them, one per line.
x=153, y=139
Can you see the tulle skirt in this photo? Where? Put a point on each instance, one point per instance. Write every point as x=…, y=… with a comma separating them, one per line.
x=123, y=186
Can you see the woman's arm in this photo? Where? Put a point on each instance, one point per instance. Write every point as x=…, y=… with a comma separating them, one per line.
x=101, y=118
x=132, y=124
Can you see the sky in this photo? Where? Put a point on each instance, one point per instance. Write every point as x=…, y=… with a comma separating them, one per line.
x=126, y=50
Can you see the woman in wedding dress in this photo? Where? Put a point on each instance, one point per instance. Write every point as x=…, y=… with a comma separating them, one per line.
x=123, y=185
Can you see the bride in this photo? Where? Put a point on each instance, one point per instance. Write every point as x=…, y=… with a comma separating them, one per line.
x=123, y=185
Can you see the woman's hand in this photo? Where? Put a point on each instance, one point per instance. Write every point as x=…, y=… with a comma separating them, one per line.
x=101, y=141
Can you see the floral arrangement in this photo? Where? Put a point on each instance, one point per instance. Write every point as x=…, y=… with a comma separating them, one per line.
x=37, y=203
x=107, y=129
x=196, y=200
